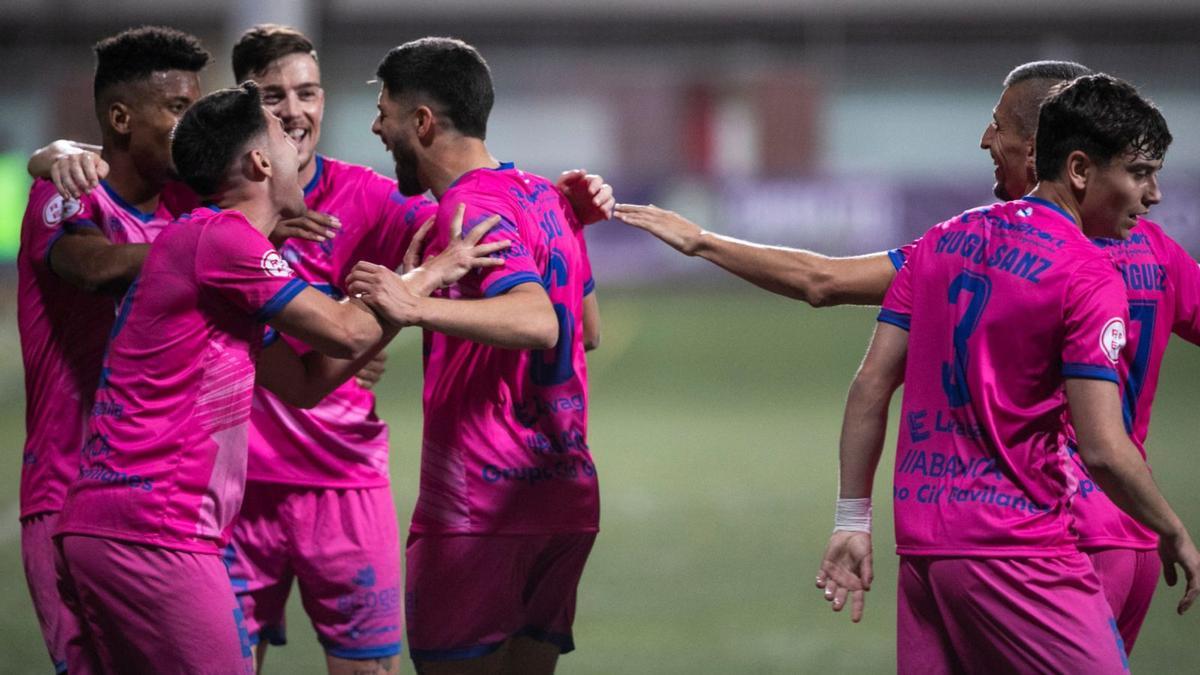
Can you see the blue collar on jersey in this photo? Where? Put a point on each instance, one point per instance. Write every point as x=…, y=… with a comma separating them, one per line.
x=1046, y=202
x=312, y=184
x=130, y=208
x=504, y=166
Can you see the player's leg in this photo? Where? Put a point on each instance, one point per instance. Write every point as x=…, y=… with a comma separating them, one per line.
x=1027, y=615
x=923, y=644
x=1129, y=579
x=259, y=561
x=154, y=610
x=347, y=562
x=463, y=600
x=38, y=552
x=80, y=652
x=549, y=597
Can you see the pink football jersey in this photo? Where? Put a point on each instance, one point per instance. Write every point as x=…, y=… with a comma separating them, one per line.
x=505, y=444
x=1162, y=284
x=1001, y=304
x=63, y=333
x=899, y=255
x=164, y=462
x=340, y=443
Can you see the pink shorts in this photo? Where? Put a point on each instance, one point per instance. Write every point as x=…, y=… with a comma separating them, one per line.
x=145, y=609
x=465, y=595
x=1004, y=615
x=343, y=545
x=1129, y=578
x=59, y=626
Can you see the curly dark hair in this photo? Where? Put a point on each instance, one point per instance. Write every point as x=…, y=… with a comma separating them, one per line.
x=132, y=55
x=449, y=71
x=1102, y=116
x=264, y=44
x=213, y=132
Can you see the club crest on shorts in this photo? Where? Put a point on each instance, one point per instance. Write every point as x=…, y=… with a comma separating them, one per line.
x=1112, y=338
x=59, y=209
x=274, y=264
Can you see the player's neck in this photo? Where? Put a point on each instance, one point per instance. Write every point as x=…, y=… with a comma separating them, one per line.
x=451, y=159
x=1061, y=196
x=131, y=185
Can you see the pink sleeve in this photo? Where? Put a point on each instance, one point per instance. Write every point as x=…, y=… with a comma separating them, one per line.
x=1095, y=316
x=519, y=264
x=898, y=303
x=49, y=217
x=241, y=265
x=585, y=264
x=1185, y=274
x=899, y=255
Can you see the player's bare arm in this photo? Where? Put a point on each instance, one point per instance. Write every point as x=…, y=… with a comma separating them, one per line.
x=74, y=168
x=343, y=330
x=303, y=380
x=591, y=322
x=846, y=569
x=90, y=261
x=1118, y=468
x=816, y=279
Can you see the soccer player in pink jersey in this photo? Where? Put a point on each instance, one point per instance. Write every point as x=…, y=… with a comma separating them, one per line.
x=508, y=504
x=991, y=579
x=75, y=255
x=162, y=470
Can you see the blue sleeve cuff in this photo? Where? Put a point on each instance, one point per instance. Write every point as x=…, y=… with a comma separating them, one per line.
x=270, y=337
x=895, y=318
x=589, y=287
x=504, y=284
x=280, y=300
x=1088, y=371
x=897, y=258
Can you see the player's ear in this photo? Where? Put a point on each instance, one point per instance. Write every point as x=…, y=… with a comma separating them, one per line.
x=1031, y=162
x=1078, y=170
x=257, y=165
x=118, y=117
x=424, y=121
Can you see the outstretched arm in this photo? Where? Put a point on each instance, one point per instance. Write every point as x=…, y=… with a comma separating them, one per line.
x=819, y=280
x=1119, y=469
x=846, y=569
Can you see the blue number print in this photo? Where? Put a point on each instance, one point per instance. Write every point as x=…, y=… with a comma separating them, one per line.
x=554, y=366
x=954, y=375
x=1143, y=313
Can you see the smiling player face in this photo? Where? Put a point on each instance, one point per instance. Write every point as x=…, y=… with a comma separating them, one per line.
x=393, y=125
x=1009, y=146
x=291, y=90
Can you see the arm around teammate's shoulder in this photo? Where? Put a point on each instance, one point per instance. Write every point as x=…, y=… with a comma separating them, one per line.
x=88, y=260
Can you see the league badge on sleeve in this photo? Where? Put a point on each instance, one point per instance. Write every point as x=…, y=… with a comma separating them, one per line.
x=1112, y=338
x=58, y=210
x=274, y=264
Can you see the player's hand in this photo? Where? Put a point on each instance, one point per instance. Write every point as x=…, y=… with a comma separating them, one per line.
x=846, y=572
x=463, y=253
x=676, y=231
x=77, y=172
x=590, y=197
x=1179, y=550
x=416, y=248
x=385, y=293
x=313, y=226
x=371, y=373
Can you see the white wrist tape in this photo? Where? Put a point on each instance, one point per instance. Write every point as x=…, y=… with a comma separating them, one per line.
x=853, y=515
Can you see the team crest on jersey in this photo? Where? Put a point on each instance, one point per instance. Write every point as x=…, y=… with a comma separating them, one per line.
x=1112, y=338
x=1025, y=212
x=274, y=264
x=58, y=210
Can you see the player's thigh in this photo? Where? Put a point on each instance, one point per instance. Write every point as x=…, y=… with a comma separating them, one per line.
x=1027, y=615
x=464, y=593
x=528, y=656
x=923, y=645
x=59, y=625
x=1129, y=578
x=259, y=560
x=152, y=610
x=552, y=587
x=388, y=665
x=347, y=562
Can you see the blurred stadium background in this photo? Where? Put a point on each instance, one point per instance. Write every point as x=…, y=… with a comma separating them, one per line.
x=846, y=126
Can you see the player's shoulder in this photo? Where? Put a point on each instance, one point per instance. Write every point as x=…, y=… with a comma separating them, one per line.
x=337, y=171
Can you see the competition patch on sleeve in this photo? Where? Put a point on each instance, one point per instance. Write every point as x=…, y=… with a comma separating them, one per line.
x=274, y=264
x=58, y=210
x=1112, y=338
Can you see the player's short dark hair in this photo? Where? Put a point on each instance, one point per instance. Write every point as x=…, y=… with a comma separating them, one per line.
x=213, y=132
x=264, y=44
x=1039, y=77
x=449, y=71
x=1102, y=116
x=132, y=55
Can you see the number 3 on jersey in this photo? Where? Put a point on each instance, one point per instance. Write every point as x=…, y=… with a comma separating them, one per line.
x=954, y=373
x=549, y=367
